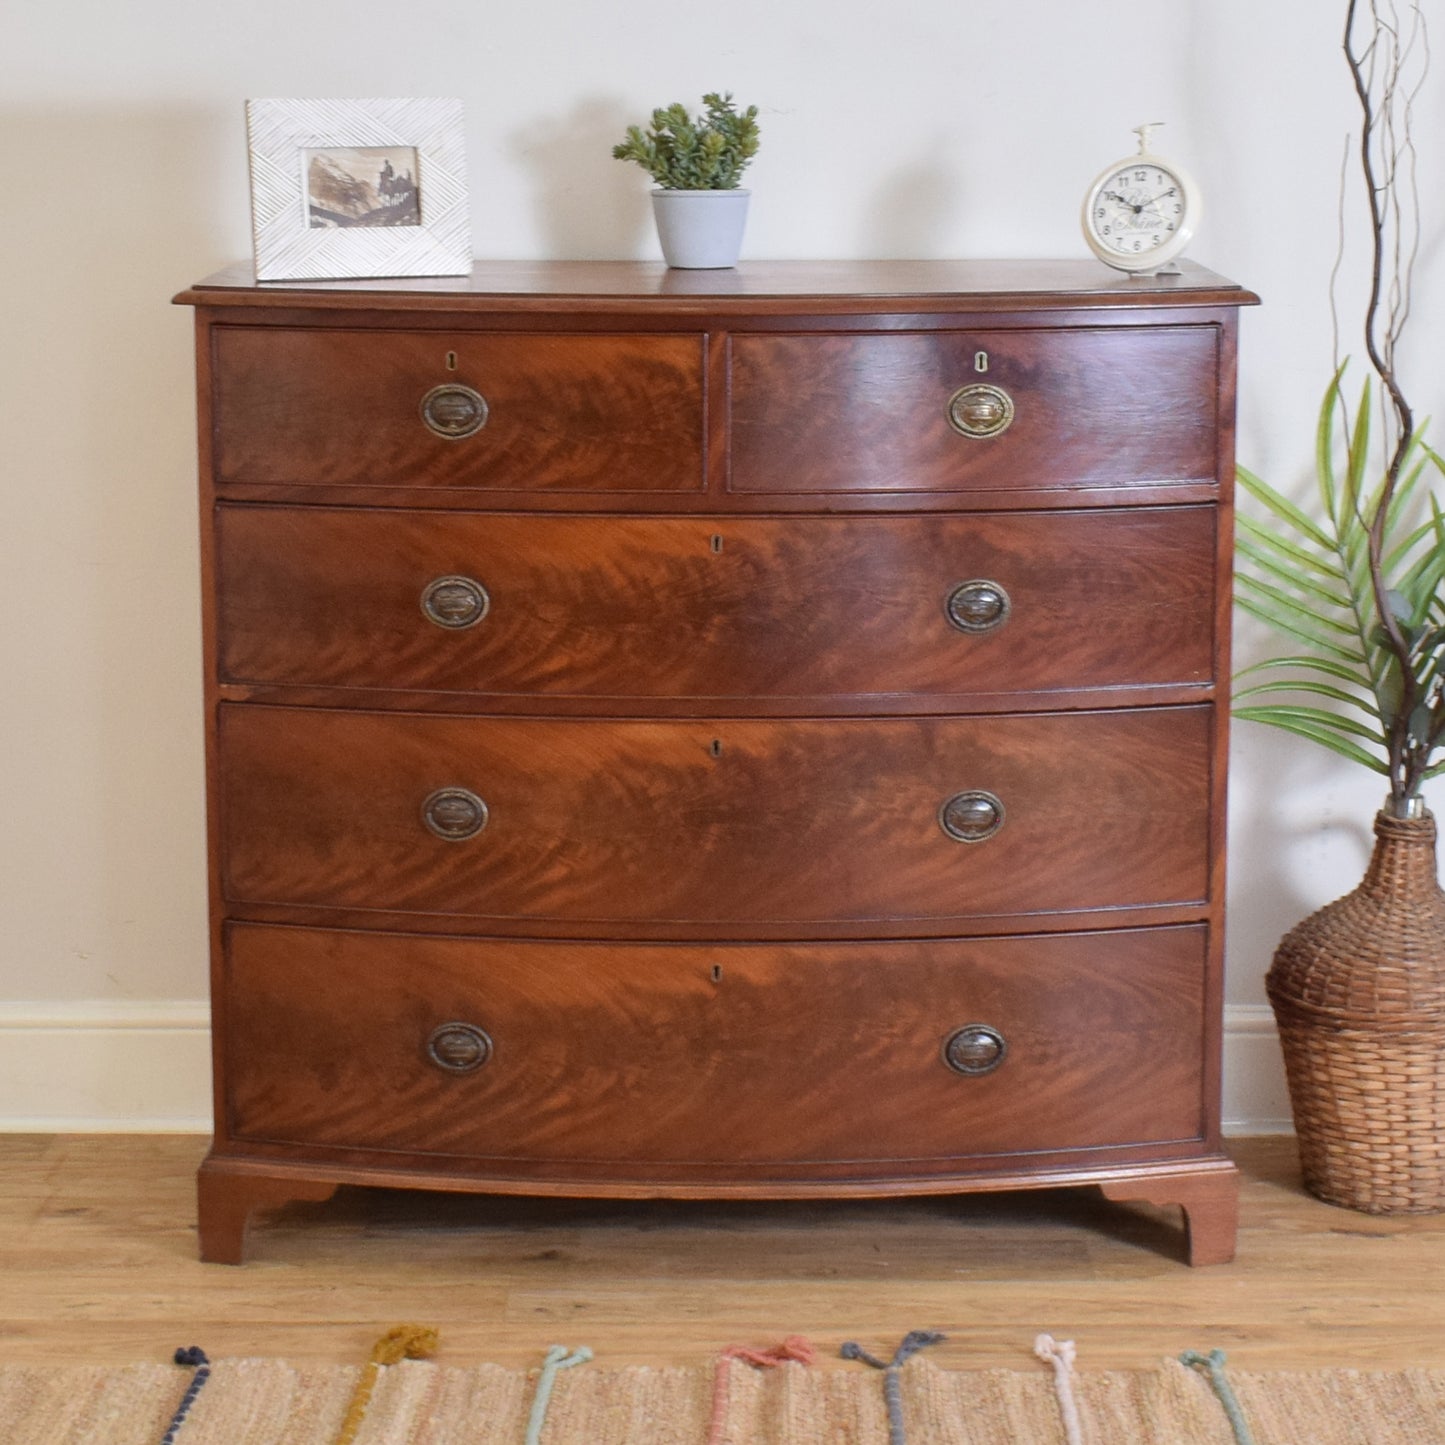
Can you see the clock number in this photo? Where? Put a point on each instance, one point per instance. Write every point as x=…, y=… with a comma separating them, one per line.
x=1099, y=213
x=1107, y=230
x=1141, y=175
x=1154, y=240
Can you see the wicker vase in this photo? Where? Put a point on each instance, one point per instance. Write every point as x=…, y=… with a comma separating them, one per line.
x=1359, y=992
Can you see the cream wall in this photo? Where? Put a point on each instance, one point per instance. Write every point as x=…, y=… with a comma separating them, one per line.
x=918, y=128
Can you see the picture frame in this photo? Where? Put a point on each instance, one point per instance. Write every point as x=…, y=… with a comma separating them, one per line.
x=344, y=189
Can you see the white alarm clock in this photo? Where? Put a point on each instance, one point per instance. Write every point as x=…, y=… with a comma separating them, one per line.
x=1141, y=212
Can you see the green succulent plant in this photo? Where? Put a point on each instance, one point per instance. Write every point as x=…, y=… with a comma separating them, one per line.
x=685, y=153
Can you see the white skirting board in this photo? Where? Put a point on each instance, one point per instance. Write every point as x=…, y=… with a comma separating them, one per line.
x=146, y=1068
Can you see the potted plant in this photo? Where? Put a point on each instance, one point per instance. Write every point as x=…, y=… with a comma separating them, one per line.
x=1358, y=588
x=697, y=162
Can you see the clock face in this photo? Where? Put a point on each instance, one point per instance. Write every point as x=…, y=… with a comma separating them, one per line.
x=1139, y=213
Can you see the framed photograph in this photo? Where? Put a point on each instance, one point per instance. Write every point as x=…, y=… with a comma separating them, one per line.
x=358, y=188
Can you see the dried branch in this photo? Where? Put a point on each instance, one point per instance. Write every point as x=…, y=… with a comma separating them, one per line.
x=1378, y=68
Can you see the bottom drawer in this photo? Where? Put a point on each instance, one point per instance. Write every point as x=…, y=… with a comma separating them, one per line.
x=645, y=1056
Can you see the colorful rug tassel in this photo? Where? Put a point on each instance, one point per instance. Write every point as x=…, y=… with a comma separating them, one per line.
x=1060, y=1354
x=404, y=1342
x=193, y=1358
x=795, y=1347
x=558, y=1358
x=913, y=1341
x=1213, y=1365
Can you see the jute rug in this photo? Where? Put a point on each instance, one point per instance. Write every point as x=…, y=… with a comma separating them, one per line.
x=271, y=1402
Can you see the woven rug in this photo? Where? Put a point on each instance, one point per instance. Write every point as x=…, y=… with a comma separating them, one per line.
x=271, y=1402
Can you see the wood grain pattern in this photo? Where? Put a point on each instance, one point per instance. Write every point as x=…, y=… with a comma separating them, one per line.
x=776, y=1057
x=697, y=821
x=870, y=413
x=571, y=413
x=716, y=607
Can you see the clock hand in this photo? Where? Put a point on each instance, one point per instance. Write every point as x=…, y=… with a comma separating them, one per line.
x=1115, y=196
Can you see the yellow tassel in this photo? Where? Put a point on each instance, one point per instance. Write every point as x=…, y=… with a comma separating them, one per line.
x=403, y=1342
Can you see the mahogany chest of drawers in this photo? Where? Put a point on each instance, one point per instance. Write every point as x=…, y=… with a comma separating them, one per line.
x=754, y=733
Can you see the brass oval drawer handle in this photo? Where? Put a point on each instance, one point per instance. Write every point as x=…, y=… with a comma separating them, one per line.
x=978, y=606
x=455, y=602
x=974, y=1049
x=454, y=411
x=459, y=1048
x=454, y=814
x=972, y=816
x=980, y=410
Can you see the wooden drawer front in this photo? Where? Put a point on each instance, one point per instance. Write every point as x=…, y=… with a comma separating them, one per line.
x=695, y=821
x=714, y=607
x=870, y=413
x=564, y=412
x=672, y=1054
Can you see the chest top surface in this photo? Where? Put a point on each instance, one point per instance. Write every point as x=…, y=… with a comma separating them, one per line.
x=753, y=286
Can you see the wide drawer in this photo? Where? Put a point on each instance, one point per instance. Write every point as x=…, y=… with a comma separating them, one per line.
x=715, y=820
x=722, y=607
x=1086, y=407
x=648, y=1055
x=581, y=413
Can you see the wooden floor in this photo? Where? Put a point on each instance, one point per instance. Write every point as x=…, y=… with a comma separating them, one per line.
x=97, y=1263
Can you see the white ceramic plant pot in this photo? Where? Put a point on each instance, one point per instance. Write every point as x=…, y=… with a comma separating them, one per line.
x=700, y=230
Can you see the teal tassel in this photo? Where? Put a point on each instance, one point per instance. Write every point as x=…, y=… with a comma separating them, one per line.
x=557, y=1358
x=1213, y=1365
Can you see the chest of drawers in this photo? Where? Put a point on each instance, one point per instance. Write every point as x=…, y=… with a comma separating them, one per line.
x=752, y=734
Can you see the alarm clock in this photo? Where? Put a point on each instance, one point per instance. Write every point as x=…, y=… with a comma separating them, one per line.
x=1141, y=212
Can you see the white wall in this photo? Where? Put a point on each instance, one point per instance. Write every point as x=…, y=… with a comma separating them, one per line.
x=917, y=128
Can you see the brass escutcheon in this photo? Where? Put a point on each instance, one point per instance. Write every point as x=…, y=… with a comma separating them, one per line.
x=980, y=410
x=978, y=606
x=454, y=814
x=972, y=816
x=455, y=602
x=974, y=1049
x=459, y=1048
x=454, y=411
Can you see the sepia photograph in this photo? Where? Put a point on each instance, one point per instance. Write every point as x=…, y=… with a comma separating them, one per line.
x=362, y=186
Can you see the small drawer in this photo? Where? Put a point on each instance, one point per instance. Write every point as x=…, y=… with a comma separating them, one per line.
x=715, y=608
x=492, y=411
x=1022, y=410
x=717, y=821
x=658, y=1057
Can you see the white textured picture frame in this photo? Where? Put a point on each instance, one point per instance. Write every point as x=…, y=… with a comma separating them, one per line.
x=281, y=133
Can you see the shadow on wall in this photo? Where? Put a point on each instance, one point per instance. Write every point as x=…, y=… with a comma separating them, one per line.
x=586, y=209
x=123, y=209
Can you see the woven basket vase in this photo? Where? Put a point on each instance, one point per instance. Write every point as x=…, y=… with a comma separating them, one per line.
x=1359, y=992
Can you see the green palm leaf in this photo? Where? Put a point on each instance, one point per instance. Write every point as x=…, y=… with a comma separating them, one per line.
x=1280, y=569
x=1306, y=729
x=1290, y=685
x=1294, y=605
x=1327, y=566
x=1283, y=508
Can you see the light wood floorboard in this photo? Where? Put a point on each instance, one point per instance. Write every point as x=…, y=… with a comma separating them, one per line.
x=97, y=1263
